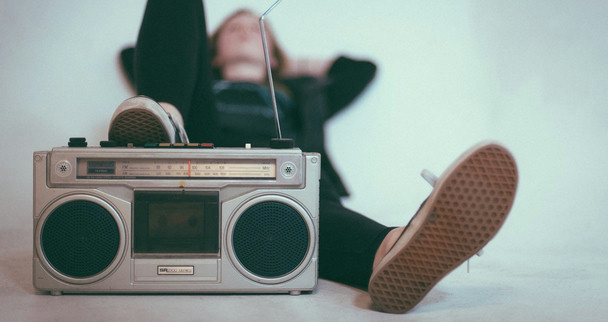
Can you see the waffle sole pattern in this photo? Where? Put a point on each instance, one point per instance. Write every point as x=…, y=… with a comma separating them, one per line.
x=467, y=207
x=137, y=127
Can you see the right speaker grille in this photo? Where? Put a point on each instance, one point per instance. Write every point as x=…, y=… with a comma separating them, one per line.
x=270, y=239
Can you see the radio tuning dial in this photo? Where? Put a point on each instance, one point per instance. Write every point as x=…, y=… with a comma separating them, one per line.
x=77, y=142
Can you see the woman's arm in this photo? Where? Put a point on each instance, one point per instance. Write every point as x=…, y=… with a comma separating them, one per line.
x=347, y=78
x=306, y=67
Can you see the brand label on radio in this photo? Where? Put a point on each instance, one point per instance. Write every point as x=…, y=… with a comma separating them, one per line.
x=175, y=270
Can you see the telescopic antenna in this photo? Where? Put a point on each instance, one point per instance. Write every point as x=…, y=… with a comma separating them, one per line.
x=279, y=142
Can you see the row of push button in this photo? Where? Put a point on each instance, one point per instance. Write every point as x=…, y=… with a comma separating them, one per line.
x=180, y=145
x=82, y=143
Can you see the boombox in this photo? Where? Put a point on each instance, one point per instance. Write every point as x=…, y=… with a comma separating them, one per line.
x=175, y=220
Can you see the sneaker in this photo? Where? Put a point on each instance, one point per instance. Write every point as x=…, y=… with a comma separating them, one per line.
x=140, y=120
x=465, y=210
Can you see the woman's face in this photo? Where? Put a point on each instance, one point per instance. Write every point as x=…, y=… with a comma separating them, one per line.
x=240, y=41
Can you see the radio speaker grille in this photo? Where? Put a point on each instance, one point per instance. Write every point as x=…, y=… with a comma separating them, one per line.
x=270, y=239
x=80, y=239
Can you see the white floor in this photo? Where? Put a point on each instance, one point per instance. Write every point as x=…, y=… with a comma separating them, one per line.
x=505, y=284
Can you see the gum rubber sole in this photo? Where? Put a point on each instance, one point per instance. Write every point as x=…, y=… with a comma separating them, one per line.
x=140, y=120
x=468, y=205
x=138, y=127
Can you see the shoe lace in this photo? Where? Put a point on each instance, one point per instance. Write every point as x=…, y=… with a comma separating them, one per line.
x=432, y=180
x=180, y=132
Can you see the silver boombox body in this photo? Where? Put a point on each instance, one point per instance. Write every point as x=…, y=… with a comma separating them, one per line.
x=175, y=220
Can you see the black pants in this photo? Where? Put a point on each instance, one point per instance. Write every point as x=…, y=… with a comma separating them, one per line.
x=173, y=64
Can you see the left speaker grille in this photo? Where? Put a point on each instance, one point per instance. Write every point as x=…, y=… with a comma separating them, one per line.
x=80, y=239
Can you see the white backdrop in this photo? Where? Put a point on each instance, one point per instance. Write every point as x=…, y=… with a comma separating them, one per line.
x=532, y=75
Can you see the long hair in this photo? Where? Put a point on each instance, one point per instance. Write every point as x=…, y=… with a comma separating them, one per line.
x=275, y=50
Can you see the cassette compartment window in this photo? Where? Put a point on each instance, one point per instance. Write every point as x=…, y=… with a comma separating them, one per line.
x=176, y=223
